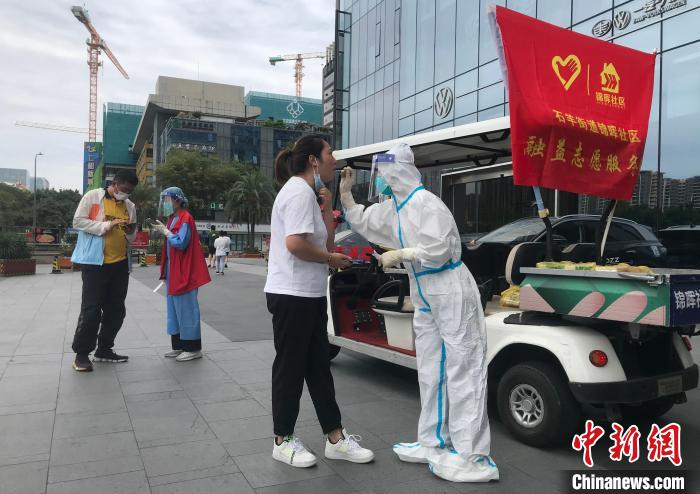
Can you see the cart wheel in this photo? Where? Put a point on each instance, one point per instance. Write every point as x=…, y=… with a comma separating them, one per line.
x=536, y=405
x=333, y=351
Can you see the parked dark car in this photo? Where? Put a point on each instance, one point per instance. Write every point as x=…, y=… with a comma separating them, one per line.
x=683, y=246
x=627, y=241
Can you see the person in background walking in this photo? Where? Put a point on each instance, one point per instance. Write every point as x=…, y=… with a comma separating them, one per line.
x=301, y=250
x=228, y=251
x=106, y=221
x=221, y=245
x=184, y=270
x=212, y=249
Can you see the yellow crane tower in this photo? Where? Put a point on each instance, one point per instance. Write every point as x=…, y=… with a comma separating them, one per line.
x=298, y=65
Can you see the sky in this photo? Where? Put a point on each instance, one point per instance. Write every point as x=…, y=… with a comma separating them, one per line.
x=44, y=76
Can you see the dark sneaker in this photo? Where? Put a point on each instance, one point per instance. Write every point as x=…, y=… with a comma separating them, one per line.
x=108, y=356
x=82, y=363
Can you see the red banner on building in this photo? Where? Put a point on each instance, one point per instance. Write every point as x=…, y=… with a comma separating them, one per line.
x=579, y=107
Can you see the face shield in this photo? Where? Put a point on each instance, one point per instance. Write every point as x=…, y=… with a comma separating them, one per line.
x=379, y=189
x=166, y=206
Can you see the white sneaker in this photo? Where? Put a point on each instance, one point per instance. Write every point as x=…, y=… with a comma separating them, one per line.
x=172, y=353
x=293, y=452
x=348, y=449
x=185, y=356
x=413, y=452
x=450, y=465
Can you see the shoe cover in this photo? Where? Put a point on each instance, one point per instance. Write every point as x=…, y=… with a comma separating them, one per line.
x=450, y=465
x=412, y=452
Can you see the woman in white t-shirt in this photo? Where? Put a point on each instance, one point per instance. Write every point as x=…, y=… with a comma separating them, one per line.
x=301, y=250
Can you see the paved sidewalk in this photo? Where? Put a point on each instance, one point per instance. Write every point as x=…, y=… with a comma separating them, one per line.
x=155, y=425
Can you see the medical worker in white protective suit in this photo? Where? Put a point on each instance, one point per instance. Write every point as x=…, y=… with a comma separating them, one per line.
x=453, y=429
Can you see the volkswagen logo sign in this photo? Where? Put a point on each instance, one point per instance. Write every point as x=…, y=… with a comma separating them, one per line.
x=443, y=102
x=622, y=19
x=601, y=28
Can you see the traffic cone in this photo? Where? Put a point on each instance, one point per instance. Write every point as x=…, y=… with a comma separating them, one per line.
x=56, y=269
x=143, y=260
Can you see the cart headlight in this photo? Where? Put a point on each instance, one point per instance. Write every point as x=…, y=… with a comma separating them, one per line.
x=598, y=358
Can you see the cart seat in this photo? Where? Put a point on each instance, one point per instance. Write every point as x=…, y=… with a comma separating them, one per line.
x=385, y=302
x=525, y=255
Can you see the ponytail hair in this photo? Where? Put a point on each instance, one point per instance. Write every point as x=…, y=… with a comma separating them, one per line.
x=294, y=161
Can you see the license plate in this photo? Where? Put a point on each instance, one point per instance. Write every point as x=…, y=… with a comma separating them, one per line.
x=670, y=385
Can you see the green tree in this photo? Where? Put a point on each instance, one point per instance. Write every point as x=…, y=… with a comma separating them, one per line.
x=250, y=200
x=56, y=208
x=145, y=198
x=14, y=206
x=203, y=179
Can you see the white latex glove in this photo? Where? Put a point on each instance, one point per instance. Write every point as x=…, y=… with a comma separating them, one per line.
x=394, y=257
x=346, y=181
x=160, y=227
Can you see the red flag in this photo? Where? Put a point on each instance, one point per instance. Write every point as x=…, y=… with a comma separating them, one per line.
x=579, y=107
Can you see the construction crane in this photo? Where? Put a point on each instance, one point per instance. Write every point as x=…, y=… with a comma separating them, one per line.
x=60, y=128
x=298, y=65
x=95, y=44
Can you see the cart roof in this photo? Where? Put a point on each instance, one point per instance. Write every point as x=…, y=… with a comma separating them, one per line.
x=475, y=144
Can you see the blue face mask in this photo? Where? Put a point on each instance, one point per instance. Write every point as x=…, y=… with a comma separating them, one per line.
x=318, y=183
x=382, y=187
x=168, y=209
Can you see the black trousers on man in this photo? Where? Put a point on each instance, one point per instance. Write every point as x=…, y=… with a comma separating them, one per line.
x=301, y=342
x=102, y=309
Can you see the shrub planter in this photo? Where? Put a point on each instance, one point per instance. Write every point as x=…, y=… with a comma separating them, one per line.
x=150, y=259
x=17, y=267
x=65, y=263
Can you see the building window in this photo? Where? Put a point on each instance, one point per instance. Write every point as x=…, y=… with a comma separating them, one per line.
x=680, y=111
x=555, y=12
x=378, y=39
x=397, y=26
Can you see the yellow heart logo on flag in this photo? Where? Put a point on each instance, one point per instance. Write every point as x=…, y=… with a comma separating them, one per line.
x=567, y=69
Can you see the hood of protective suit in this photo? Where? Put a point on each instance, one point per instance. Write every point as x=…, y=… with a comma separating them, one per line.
x=402, y=175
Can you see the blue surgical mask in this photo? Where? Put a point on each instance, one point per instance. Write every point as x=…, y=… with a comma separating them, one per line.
x=382, y=187
x=168, y=208
x=318, y=183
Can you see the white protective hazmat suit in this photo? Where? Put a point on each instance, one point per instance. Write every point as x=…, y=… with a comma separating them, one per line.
x=453, y=429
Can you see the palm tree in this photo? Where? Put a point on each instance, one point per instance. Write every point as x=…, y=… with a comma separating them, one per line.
x=250, y=200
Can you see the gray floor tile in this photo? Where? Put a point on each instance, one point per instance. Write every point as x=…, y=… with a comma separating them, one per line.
x=250, y=447
x=231, y=410
x=225, y=484
x=25, y=390
x=229, y=467
x=157, y=396
x=167, y=421
x=31, y=408
x=216, y=392
x=321, y=485
x=92, y=469
x=26, y=478
x=177, y=458
x=151, y=386
x=93, y=448
x=25, y=435
x=94, y=403
x=381, y=416
x=243, y=429
x=80, y=425
x=124, y=483
x=262, y=471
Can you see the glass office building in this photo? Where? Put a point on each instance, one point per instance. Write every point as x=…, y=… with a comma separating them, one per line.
x=410, y=66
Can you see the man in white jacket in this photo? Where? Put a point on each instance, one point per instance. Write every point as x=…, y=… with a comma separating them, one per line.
x=222, y=245
x=106, y=220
